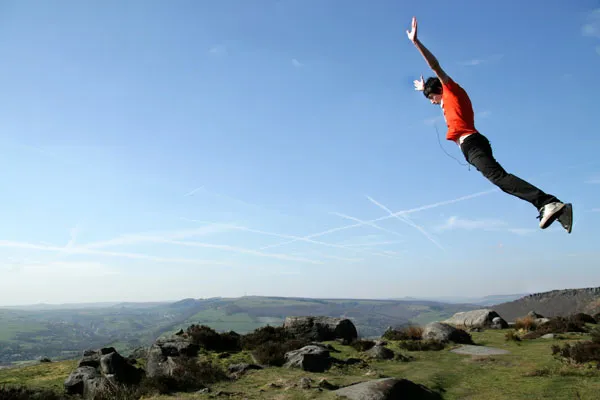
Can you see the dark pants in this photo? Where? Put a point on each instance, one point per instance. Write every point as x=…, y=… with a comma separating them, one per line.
x=478, y=152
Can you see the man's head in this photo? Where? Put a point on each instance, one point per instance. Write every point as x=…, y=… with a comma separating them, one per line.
x=433, y=90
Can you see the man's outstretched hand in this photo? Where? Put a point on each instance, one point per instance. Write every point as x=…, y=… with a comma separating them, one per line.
x=419, y=84
x=412, y=35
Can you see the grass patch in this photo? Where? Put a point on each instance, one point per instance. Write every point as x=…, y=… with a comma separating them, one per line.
x=529, y=371
x=44, y=375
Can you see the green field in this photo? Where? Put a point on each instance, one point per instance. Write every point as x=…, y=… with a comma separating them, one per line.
x=529, y=371
x=12, y=323
x=219, y=320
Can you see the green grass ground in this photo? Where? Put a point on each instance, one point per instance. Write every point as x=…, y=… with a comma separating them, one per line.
x=529, y=371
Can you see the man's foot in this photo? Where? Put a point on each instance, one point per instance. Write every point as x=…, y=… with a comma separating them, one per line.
x=566, y=217
x=549, y=213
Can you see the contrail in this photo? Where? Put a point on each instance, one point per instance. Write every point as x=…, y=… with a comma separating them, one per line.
x=410, y=211
x=407, y=221
x=367, y=223
x=294, y=238
x=193, y=192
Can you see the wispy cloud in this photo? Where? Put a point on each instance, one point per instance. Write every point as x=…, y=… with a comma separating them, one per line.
x=297, y=63
x=485, y=224
x=232, y=249
x=522, y=231
x=592, y=25
x=593, y=181
x=483, y=114
x=218, y=50
x=69, y=268
x=85, y=251
x=194, y=191
x=404, y=212
x=407, y=221
x=74, y=234
x=345, y=259
x=455, y=222
x=478, y=61
x=148, y=237
x=595, y=209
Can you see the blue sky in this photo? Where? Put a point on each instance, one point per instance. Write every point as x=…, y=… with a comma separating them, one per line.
x=160, y=150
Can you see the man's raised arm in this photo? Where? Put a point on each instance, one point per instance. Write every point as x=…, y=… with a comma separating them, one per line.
x=429, y=58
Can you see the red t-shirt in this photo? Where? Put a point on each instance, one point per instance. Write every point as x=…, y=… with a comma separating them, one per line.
x=458, y=111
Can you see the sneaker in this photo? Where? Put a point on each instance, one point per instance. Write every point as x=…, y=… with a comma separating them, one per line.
x=549, y=213
x=566, y=217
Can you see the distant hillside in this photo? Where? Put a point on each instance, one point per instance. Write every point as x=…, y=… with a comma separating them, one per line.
x=553, y=303
x=45, y=331
x=481, y=301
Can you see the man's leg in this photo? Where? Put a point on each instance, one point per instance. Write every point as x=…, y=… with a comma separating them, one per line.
x=478, y=152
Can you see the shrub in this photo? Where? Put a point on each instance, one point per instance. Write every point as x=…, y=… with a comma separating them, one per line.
x=406, y=333
x=211, y=340
x=557, y=325
x=273, y=353
x=189, y=375
x=527, y=323
x=512, y=335
x=579, y=352
x=421, y=345
x=595, y=333
x=25, y=393
x=263, y=335
x=582, y=318
x=362, y=344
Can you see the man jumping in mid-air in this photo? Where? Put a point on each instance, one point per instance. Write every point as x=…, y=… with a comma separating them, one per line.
x=458, y=113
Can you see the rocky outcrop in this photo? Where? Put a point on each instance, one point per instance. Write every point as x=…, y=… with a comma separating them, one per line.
x=555, y=303
x=98, y=370
x=387, y=389
x=321, y=328
x=445, y=333
x=484, y=318
x=164, y=355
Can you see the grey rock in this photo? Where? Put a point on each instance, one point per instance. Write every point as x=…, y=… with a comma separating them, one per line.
x=387, y=389
x=483, y=318
x=321, y=328
x=309, y=358
x=380, y=353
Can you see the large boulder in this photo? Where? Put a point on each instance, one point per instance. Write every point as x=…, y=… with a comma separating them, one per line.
x=310, y=358
x=380, y=352
x=100, y=369
x=387, y=389
x=445, y=333
x=321, y=328
x=483, y=318
x=165, y=354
